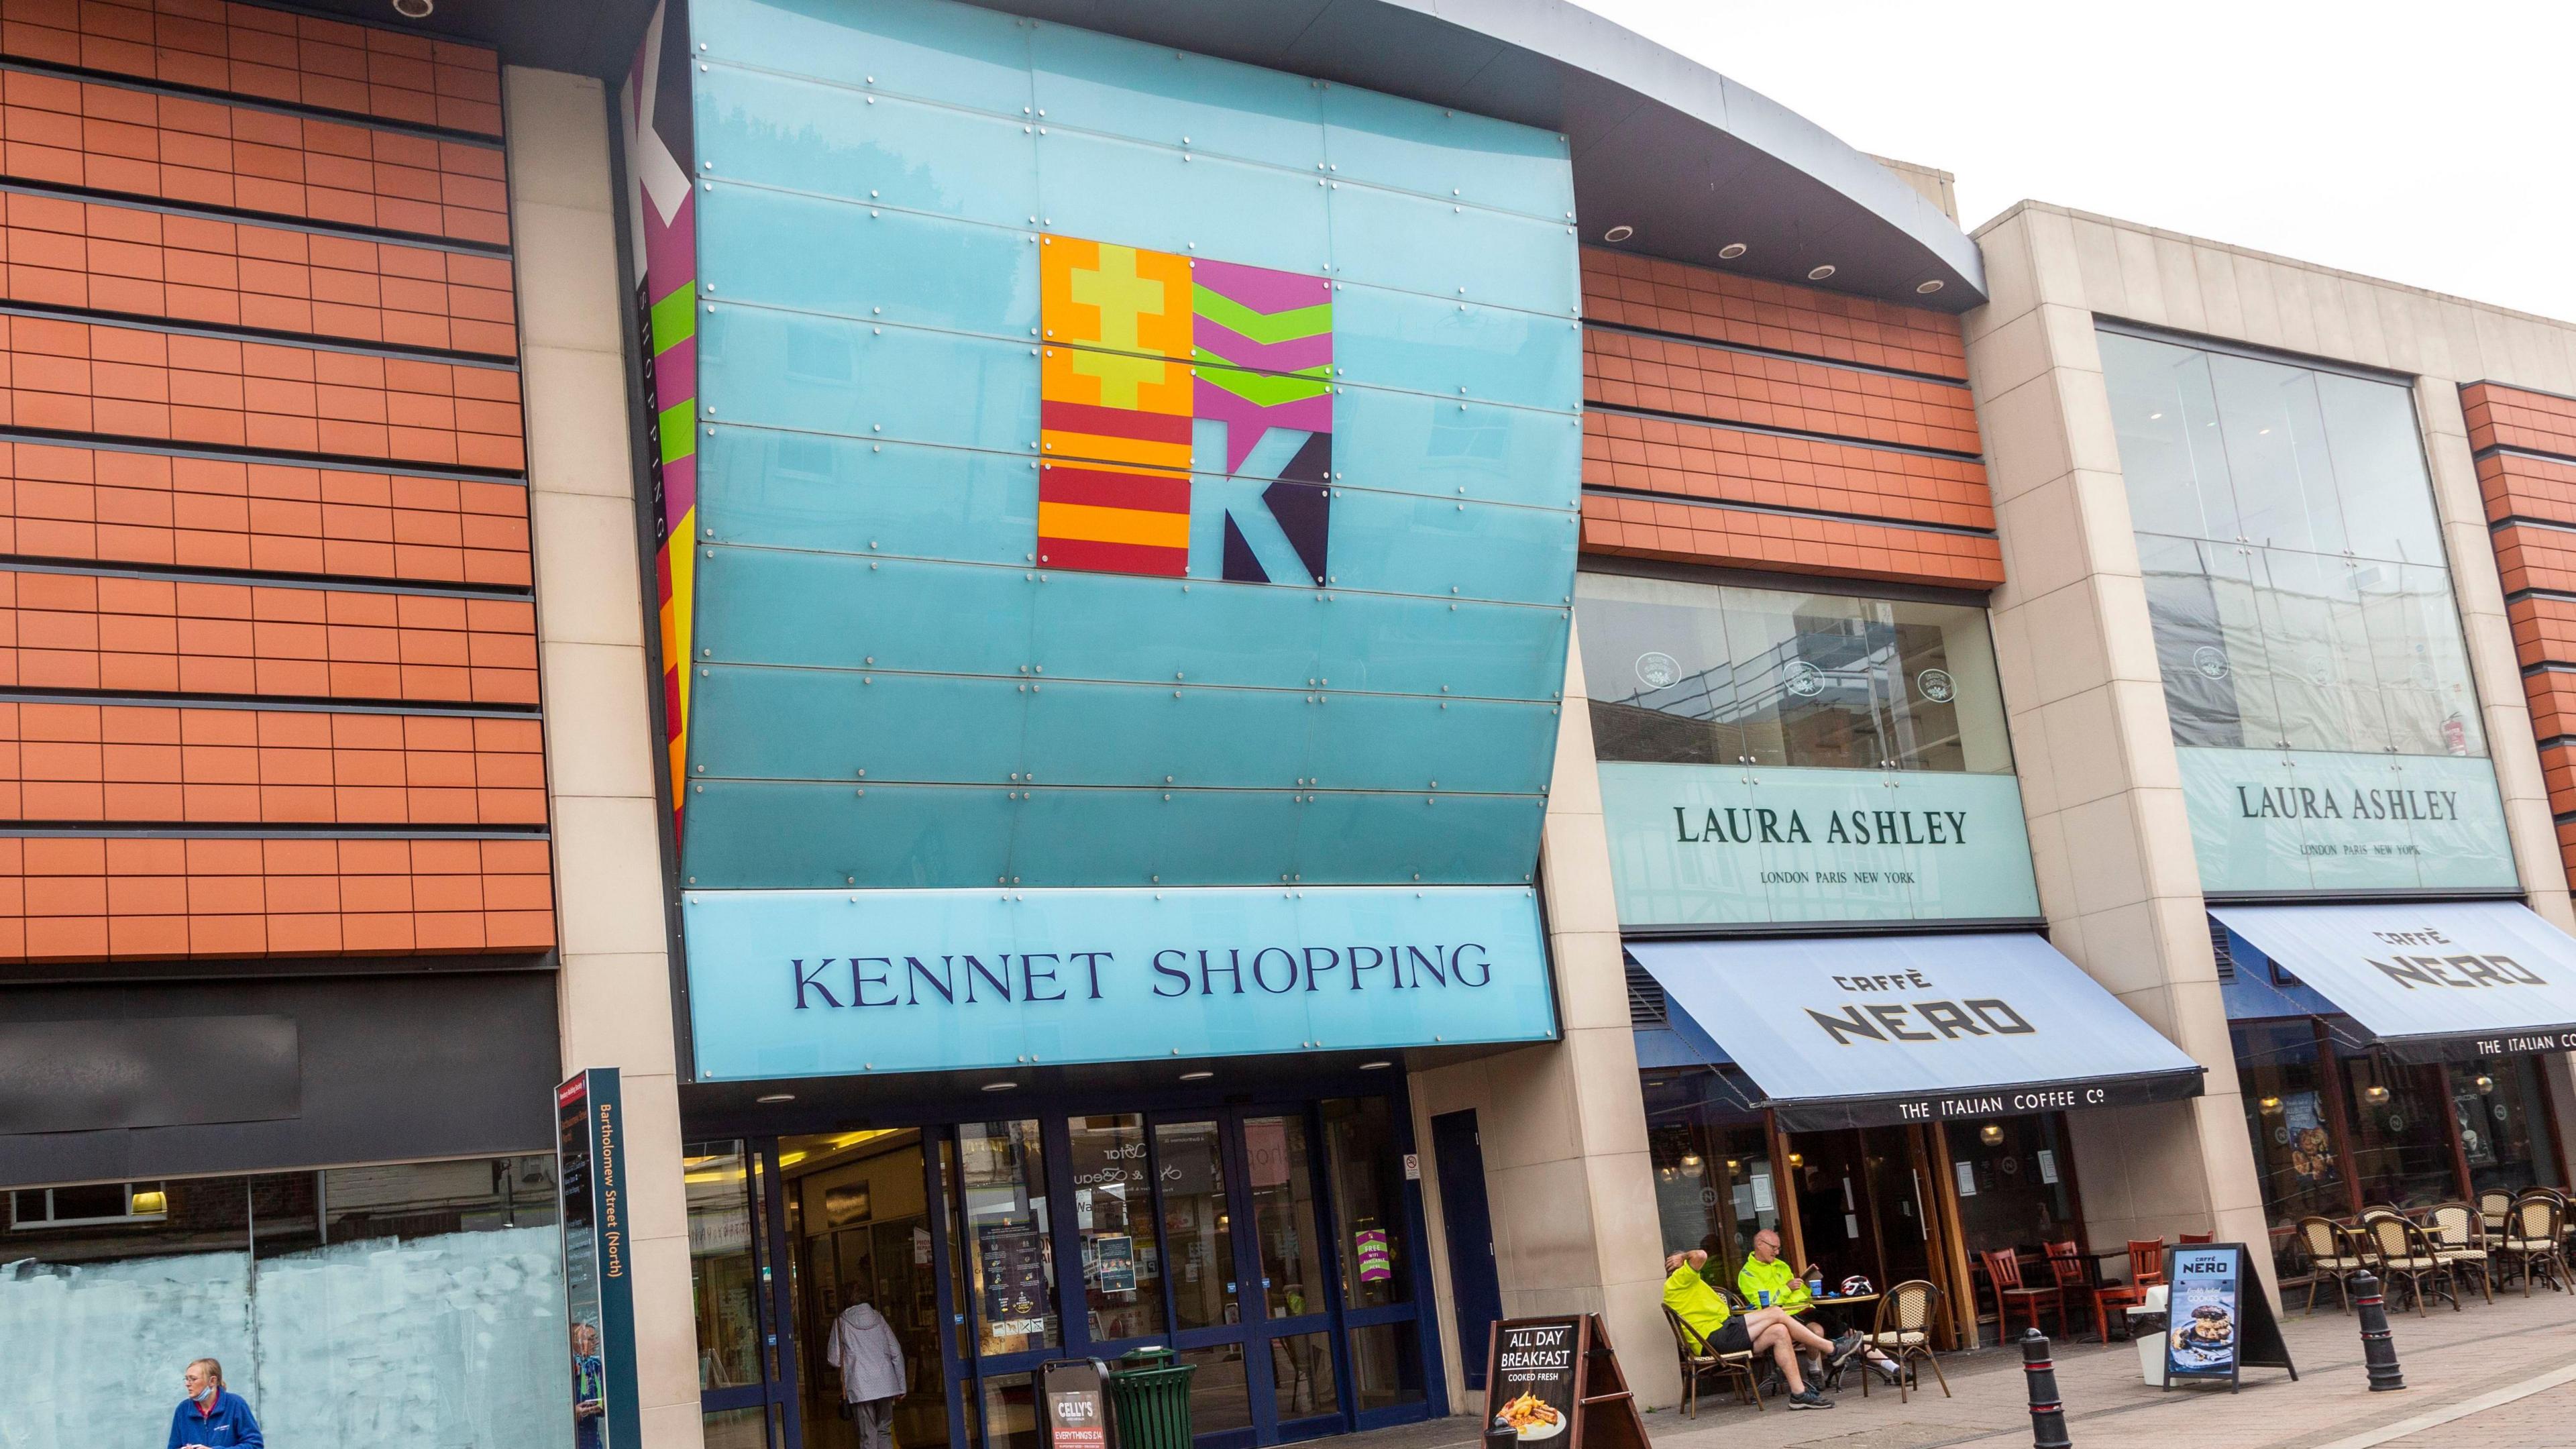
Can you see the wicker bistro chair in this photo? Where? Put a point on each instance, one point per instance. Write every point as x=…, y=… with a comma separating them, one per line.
x=2495, y=1205
x=2534, y=1240
x=2459, y=1238
x=1902, y=1329
x=1696, y=1361
x=2332, y=1257
x=2400, y=1251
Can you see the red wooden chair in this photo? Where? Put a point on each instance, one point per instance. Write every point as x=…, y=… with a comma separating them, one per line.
x=2146, y=1263
x=2189, y=1239
x=2066, y=1264
x=2003, y=1271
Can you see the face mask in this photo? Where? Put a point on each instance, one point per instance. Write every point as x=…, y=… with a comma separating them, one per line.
x=208, y=1396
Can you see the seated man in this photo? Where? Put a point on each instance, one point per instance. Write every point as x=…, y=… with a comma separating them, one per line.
x=1767, y=1272
x=1705, y=1316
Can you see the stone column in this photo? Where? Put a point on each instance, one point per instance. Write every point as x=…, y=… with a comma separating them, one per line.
x=600, y=744
x=1564, y=1125
x=2101, y=784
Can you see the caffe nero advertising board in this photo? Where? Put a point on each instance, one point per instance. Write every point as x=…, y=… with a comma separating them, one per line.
x=2310, y=820
x=1695, y=845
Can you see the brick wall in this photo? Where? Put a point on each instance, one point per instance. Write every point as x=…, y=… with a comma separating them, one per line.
x=1754, y=424
x=267, y=648
x=2525, y=444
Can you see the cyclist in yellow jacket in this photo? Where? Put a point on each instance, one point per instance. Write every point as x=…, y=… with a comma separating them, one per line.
x=1719, y=1329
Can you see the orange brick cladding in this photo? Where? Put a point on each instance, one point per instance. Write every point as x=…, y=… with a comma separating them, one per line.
x=62, y=252
x=264, y=54
x=56, y=131
x=65, y=762
x=267, y=681
x=2530, y=503
x=133, y=382
x=1855, y=457
x=158, y=636
x=81, y=898
x=107, y=506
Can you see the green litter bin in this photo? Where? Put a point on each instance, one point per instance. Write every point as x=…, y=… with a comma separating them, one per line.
x=1149, y=1399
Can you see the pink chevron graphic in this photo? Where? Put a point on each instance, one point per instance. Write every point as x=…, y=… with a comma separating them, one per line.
x=1260, y=288
x=1294, y=355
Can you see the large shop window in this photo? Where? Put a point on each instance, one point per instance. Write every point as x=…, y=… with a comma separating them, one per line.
x=351, y=1306
x=2293, y=561
x=1699, y=674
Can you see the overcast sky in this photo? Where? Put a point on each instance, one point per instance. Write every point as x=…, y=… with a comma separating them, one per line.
x=2424, y=143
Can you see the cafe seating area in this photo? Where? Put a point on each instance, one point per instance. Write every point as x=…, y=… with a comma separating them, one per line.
x=2437, y=1251
x=1902, y=1323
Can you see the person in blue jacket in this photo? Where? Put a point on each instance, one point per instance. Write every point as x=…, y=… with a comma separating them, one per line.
x=212, y=1415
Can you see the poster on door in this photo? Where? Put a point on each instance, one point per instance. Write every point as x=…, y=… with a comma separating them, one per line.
x=1265, y=1150
x=1013, y=1257
x=1377, y=1260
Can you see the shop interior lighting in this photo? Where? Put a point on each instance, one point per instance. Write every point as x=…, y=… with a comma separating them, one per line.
x=1375, y=1066
x=1818, y=274
x=1619, y=233
x=1797, y=1159
x=147, y=1201
x=2483, y=1084
x=1196, y=1076
x=1731, y=251
x=2270, y=1105
x=1991, y=1133
x=414, y=9
x=2374, y=1095
x=774, y=1098
x=999, y=1086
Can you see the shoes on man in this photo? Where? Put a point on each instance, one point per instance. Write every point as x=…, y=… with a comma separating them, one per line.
x=1810, y=1399
x=1887, y=1373
x=1852, y=1342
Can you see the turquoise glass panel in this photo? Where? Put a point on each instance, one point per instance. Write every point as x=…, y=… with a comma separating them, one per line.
x=1095, y=82
x=817, y=491
x=953, y=53
x=782, y=131
x=1449, y=348
x=1415, y=244
x=1706, y=845
x=900, y=728
x=2302, y=820
x=1417, y=545
x=1447, y=154
x=1411, y=443
x=1146, y=195
x=960, y=835
x=825, y=374
x=812, y=983
x=816, y=609
x=819, y=254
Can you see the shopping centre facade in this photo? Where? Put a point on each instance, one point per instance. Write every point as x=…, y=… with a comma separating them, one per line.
x=801, y=551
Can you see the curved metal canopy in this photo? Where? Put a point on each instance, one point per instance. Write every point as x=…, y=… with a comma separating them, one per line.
x=1689, y=159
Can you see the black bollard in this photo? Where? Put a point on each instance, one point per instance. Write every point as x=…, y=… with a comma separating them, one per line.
x=2047, y=1414
x=2378, y=1350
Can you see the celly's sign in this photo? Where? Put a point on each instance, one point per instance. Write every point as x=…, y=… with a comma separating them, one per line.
x=2264, y=820
x=812, y=983
x=1717, y=845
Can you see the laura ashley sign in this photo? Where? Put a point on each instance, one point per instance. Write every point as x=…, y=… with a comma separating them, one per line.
x=2269, y=820
x=1712, y=845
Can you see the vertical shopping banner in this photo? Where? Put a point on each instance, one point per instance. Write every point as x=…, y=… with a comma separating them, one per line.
x=598, y=1274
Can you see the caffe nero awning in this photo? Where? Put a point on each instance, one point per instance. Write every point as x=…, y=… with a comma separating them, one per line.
x=1864, y=1031
x=2427, y=982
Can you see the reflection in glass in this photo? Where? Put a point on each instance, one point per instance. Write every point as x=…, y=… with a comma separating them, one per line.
x=2401, y=1145
x=1010, y=1412
x=2288, y=1117
x=1368, y=1201
x=2497, y=1103
x=721, y=1275
x=1113, y=1211
x=1689, y=673
x=737, y=1429
x=1386, y=1365
x=1283, y=1209
x=1220, y=1393
x=1196, y=1225
x=2294, y=568
x=1301, y=1367
x=1001, y=1176
x=1712, y=1163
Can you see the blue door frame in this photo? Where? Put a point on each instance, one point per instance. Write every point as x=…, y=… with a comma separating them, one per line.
x=965, y=1372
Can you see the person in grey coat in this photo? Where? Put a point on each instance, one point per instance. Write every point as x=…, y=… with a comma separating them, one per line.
x=864, y=1349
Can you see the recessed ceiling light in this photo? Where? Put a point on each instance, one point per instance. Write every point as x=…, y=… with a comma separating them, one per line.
x=1731, y=251
x=2151, y=417
x=775, y=1098
x=414, y=9
x=1818, y=274
x=1374, y=1066
x=1619, y=233
x=999, y=1086
x=1928, y=288
x=1196, y=1076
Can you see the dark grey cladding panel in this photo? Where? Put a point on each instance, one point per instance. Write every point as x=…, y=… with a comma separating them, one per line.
x=389, y=1068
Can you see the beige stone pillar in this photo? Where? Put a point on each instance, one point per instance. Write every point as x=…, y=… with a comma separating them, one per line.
x=1564, y=1125
x=600, y=745
x=2101, y=784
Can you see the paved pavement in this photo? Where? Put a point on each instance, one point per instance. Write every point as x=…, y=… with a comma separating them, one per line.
x=2497, y=1377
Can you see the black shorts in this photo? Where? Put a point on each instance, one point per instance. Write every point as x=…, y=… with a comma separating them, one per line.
x=1730, y=1337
